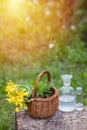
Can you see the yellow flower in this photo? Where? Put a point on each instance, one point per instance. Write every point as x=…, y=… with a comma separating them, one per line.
x=16, y=95
x=17, y=109
x=25, y=93
x=11, y=87
x=11, y=99
x=19, y=102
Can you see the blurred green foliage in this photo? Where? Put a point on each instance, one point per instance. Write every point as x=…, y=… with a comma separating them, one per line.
x=44, y=35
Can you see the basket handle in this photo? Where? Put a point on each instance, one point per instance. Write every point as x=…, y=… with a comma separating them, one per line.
x=37, y=80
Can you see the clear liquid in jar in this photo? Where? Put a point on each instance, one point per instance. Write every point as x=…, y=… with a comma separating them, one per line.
x=67, y=103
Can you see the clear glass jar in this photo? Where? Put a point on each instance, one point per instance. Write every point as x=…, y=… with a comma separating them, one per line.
x=67, y=95
x=79, y=99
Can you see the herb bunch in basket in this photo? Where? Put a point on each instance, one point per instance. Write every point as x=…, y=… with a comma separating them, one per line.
x=41, y=98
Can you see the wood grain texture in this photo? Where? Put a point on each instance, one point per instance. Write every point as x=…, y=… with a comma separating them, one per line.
x=59, y=121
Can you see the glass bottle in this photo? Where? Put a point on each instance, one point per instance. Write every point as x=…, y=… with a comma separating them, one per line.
x=67, y=95
x=79, y=99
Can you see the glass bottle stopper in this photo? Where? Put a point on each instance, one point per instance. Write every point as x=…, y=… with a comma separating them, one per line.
x=66, y=79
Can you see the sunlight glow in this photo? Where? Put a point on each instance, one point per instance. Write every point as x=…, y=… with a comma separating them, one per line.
x=14, y=3
x=15, y=6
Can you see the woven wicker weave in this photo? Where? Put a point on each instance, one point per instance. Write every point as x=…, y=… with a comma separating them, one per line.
x=43, y=107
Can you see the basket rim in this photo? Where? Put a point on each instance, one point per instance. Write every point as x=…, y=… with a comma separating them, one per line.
x=49, y=98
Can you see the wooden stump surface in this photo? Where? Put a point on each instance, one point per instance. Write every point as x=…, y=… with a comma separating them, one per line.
x=76, y=120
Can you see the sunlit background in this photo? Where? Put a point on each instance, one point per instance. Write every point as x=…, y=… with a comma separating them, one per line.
x=33, y=25
x=41, y=33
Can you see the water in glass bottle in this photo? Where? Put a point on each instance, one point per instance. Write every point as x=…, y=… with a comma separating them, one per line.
x=67, y=97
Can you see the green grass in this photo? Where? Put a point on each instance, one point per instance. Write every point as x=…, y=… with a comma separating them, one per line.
x=6, y=112
x=6, y=116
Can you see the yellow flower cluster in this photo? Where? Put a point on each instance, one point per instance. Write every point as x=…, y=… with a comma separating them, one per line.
x=15, y=95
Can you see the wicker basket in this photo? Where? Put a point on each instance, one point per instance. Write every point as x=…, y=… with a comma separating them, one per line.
x=43, y=107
